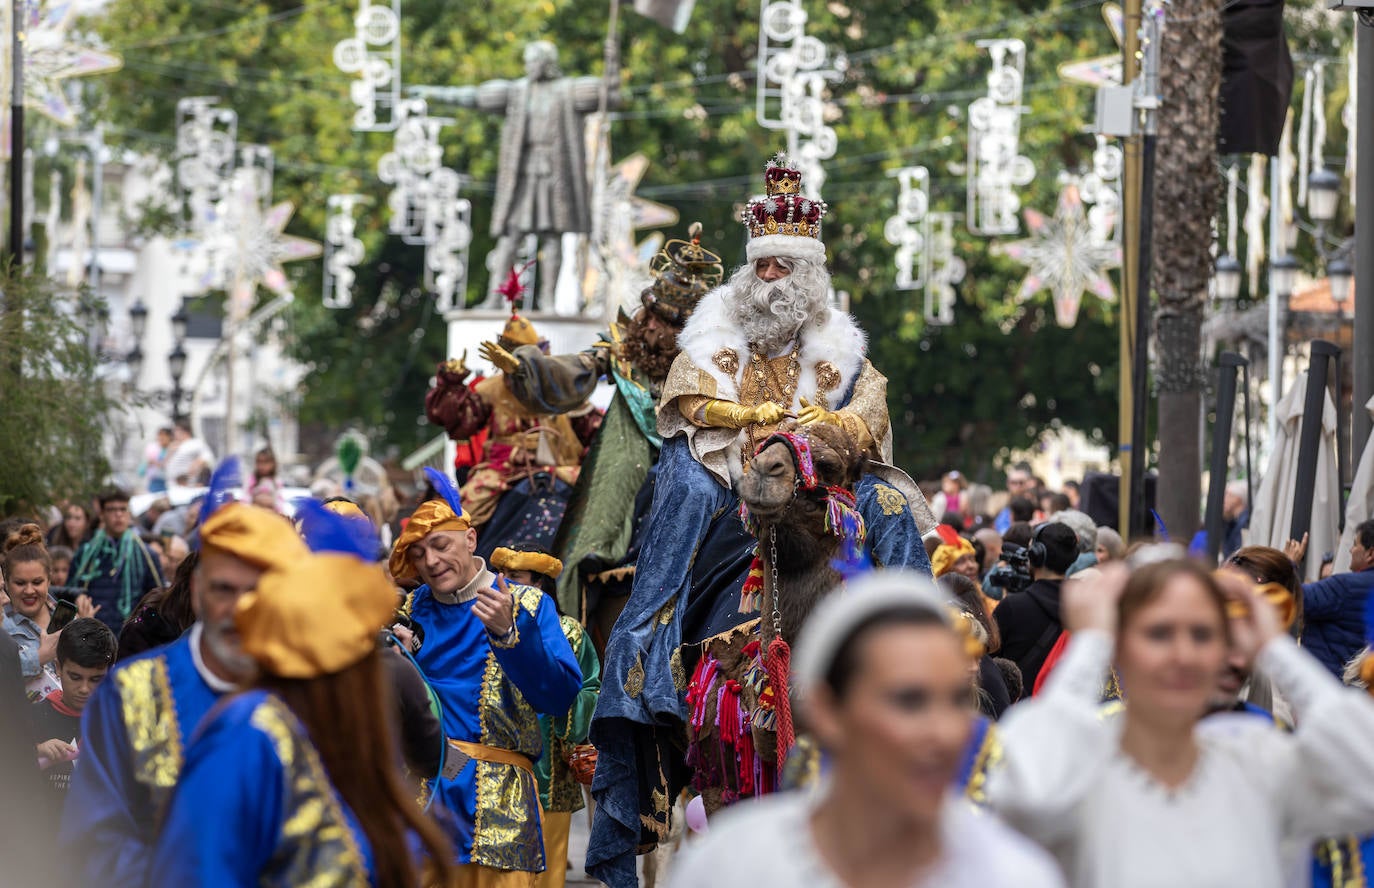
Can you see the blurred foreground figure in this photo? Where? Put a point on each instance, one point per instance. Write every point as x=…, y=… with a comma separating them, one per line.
x=298, y=781
x=135, y=730
x=1160, y=796
x=884, y=680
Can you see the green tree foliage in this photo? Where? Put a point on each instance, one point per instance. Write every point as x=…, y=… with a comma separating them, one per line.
x=53, y=406
x=997, y=378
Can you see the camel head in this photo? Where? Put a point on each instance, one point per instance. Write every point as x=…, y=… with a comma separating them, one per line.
x=774, y=486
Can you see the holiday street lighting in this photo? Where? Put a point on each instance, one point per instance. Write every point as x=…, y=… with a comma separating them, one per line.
x=1228, y=279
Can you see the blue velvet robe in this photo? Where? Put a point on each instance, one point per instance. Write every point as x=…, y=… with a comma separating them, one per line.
x=133, y=736
x=493, y=695
x=254, y=807
x=643, y=680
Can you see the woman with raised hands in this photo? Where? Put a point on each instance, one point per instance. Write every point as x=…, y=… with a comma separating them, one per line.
x=1159, y=796
x=883, y=679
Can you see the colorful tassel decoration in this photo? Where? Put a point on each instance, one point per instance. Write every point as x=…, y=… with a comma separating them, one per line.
x=751, y=593
x=779, y=662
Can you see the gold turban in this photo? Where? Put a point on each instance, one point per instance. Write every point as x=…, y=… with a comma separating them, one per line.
x=346, y=508
x=316, y=617
x=253, y=534
x=942, y=562
x=511, y=559
x=431, y=516
x=518, y=332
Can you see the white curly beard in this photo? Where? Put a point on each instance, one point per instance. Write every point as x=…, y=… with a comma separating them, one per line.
x=772, y=313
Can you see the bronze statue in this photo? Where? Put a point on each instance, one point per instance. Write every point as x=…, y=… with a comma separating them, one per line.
x=541, y=181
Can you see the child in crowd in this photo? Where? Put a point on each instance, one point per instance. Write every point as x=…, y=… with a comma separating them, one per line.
x=85, y=652
x=61, y=565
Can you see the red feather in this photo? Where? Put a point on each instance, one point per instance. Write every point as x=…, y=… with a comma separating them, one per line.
x=948, y=534
x=512, y=289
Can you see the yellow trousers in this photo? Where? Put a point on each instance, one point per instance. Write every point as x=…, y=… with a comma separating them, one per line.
x=557, y=825
x=472, y=875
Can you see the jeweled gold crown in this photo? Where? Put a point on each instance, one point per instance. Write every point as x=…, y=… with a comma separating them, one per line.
x=683, y=271
x=783, y=210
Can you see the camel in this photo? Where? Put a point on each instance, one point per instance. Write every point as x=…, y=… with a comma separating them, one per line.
x=797, y=498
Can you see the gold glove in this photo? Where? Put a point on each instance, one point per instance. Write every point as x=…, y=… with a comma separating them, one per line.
x=729, y=415
x=813, y=413
x=499, y=357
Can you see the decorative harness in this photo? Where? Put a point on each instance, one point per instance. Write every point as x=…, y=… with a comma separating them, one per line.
x=842, y=519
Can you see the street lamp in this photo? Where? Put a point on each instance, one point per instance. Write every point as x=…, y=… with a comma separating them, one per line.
x=135, y=362
x=179, y=322
x=1228, y=279
x=1283, y=275
x=1339, y=274
x=138, y=319
x=1323, y=196
x=176, y=363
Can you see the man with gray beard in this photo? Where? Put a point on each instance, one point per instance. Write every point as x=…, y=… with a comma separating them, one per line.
x=136, y=727
x=761, y=349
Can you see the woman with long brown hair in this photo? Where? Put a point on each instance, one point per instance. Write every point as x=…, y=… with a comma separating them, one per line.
x=297, y=781
x=1160, y=795
x=27, y=570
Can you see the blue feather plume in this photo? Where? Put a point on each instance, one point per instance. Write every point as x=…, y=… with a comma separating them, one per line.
x=444, y=487
x=326, y=531
x=1159, y=525
x=223, y=484
x=853, y=560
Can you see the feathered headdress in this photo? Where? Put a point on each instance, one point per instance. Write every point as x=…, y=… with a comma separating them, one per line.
x=327, y=531
x=512, y=288
x=443, y=485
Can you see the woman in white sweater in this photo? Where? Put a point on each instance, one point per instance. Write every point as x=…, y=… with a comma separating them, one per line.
x=884, y=681
x=1158, y=796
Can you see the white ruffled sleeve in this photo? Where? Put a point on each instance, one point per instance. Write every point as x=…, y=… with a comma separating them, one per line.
x=1055, y=746
x=1323, y=773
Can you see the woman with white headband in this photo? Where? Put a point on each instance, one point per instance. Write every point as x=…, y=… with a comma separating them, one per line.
x=882, y=679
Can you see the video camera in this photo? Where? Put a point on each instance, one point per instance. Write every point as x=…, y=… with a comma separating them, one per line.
x=1011, y=573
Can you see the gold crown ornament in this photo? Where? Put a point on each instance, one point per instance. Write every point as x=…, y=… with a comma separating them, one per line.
x=783, y=223
x=683, y=272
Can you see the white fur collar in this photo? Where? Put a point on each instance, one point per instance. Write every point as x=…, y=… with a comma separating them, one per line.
x=711, y=329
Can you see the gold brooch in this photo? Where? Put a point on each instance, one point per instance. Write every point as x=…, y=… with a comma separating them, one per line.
x=727, y=360
x=827, y=377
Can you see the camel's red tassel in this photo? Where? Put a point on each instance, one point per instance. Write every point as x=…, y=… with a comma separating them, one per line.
x=779, y=667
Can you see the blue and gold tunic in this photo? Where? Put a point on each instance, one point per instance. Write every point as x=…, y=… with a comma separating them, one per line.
x=133, y=736
x=492, y=693
x=255, y=807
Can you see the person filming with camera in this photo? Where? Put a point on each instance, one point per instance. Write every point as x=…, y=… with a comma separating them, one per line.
x=1029, y=620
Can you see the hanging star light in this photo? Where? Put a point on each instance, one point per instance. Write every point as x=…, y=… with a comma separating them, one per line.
x=1064, y=258
x=1103, y=70
x=619, y=214
x=52, y=55
x=254, y=247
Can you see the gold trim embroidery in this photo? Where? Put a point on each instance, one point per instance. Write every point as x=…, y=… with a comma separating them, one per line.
x=322, y=847
x=634, y=679
x=727, y=359
x=889, y=499
x=989, y=757
x=150, y=718
x=665, y=613
x=675, y=667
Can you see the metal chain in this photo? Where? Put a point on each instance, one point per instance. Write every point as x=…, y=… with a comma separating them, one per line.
x=773, y=569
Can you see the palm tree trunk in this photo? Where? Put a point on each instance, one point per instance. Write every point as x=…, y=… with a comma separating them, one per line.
x=1187, y=190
